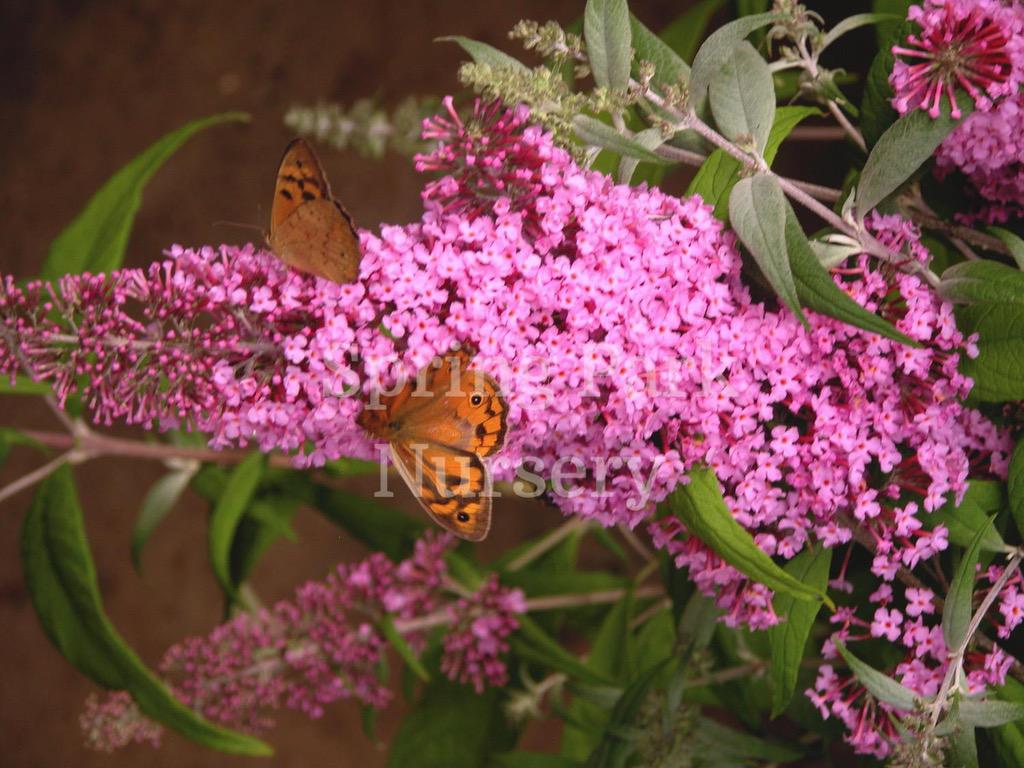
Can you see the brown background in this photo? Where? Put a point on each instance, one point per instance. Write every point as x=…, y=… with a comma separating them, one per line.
x=85, y=87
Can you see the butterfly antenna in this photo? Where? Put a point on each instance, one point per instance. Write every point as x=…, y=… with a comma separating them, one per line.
x=237, y=224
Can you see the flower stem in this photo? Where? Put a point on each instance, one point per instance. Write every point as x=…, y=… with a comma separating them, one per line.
x=36, y=475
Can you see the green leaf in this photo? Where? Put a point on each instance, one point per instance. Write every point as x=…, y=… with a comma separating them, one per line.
x=956, y=612
x=904, y=147
x=380, y=527
x=651, y=138
x=1013, y=242
x=265, y=521
x=717, y=50
x=731, y=746
x=669, y=69
x=608, y=36
x=10, y=437
x=720, y=172
x=614, y=751
x=482, y=53
x=880, y=686
x=757, y=210
x=982, y=499
x=817, y=290
x=876, y=111
x=610, y=653
x=532, y=643
x=964, y=752
x=62, y=583
x=982, y=281
x=998, y=370
x=851, y=23
x=1009, y=744
x=452, y=726
x=158, y=502
x=1015, y=486
x=789, y=639
x=742, y=97
x=885, y=31
x=386, y=624
x=242, y=483
x=97, y=238
x=23, y=386
x=593, y=132
x=990, y=713
x=699, y=504
x=684, y=34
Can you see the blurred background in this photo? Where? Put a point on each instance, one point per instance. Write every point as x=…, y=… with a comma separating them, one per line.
x=88, y=85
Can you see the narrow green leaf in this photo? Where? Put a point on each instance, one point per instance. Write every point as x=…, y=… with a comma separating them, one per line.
x=610, y=651
x=742, y=97
x=650, y=138
x=982, y=281
x=593, y=132
x=482, y=53
x=1015, y=486
x=789, y=639
x=982, y=500
x=683, y=35
x=267, y=519
x=699, y=504
x=1013, y=242
x=880, y=686
x=62, y=583
x=23, y=385
x=905, y=146
x=817, y=290
x=451, y=726
x=956, y=612
x=720, y=172
x=233, y=502
x=757, y=210
x=386, y=624
x=851, y=23
x=735, y=747
x=990, y=713
x=608, y=36
x=158, y=502
x=717, y=50
x=1009, y=744
x=97, y=238
x=998, y=370
x=669, y=69
x=531, y=642
x=964, y=748
x=614, y=751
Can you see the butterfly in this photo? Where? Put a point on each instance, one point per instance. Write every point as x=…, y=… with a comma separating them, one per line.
x=441, y=426
x=310, y=230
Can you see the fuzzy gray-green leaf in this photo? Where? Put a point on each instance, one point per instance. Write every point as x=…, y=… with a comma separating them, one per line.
x=743, y=97
x=608, y=36
x=882, y=687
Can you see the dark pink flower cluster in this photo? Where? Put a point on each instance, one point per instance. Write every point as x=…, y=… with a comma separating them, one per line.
x=917, y=628
x=476, y=640
x=976, y=46
x=323, y=645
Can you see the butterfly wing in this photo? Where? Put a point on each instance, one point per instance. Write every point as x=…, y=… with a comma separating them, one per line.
x=452, y=486
x=309, y=230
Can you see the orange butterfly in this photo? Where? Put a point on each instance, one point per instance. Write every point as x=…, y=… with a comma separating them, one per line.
x=440, y=433
x=310, y=230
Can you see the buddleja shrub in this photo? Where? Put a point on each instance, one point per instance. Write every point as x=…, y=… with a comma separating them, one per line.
x=814, y=501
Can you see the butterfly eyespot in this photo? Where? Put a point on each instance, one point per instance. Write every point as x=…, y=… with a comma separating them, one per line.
x=463, y=517
x=475, y=399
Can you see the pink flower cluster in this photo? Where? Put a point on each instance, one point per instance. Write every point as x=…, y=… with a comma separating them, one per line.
x=322, y=646
x=976, y=45
x=616, y=321
x=871, y=727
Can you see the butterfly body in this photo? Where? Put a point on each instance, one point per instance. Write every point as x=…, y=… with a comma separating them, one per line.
x=440, y=428
x=310, y=230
